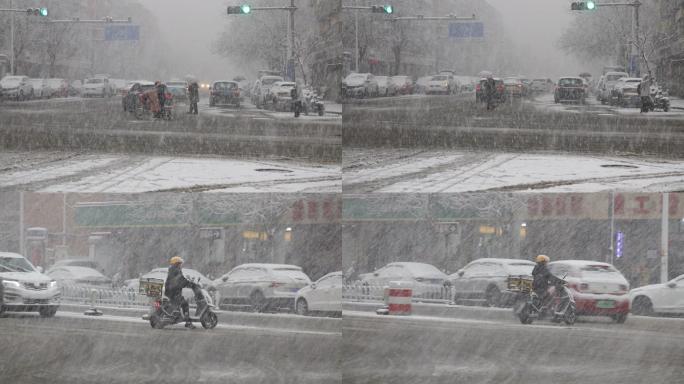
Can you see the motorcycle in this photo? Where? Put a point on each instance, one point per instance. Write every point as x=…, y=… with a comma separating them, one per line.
x=164, y=312
x=659, y=99
x=529, y=306
x=313, y=103
x=148, y=105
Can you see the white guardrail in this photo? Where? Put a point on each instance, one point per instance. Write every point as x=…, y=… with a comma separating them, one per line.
x=360, y=291
x=110, y=297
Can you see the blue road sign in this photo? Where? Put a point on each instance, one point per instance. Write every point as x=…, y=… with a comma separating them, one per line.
x=619, y=244
x=464, y=30
x=122, y=32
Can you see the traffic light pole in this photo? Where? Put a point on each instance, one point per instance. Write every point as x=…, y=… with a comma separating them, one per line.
x=290, y=38
x=356, y=9
x=635, y=27
x=429, y=18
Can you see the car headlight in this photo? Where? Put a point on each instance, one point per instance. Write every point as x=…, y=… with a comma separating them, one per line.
x=11, y=284
x=53, y=284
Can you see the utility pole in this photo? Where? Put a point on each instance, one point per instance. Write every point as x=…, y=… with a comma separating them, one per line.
x=29, y=11
x=664, y=239
x=388, y=9
x=246, y=9
x=635, y=4
x=11, y=40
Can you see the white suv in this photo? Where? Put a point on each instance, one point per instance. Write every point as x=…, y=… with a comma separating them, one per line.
x=261, y=286
x=97, y=86
x=16, y=87
x=26, y=289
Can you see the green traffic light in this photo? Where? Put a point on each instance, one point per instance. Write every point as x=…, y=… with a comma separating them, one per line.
x=44, y=12
x=388, y=9
x=591, y=5
x=245, y=8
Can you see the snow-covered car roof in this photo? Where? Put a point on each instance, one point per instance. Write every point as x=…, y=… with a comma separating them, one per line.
x=78, y=272
x=268, y=266
x=11, y=255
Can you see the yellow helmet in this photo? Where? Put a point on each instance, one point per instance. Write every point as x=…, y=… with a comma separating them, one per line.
x=176, y=260
x=542, y=259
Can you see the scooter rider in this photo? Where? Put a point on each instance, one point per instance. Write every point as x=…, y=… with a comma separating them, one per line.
x=173, y=288
x=542, y=278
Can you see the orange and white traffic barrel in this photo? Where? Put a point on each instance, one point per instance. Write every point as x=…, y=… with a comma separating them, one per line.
x=397, y=299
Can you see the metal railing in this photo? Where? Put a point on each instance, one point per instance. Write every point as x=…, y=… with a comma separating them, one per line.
x=366, y=292
x=115, y=297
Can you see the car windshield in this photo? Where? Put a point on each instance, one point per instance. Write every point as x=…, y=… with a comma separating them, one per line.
x=94, y=81
x=176, y=84
x=15, y=264
x=519, y=268
x=224, y=86
x=439, y=78
x=598, y=270
x=11, y=80
x=292, y=273
x=570, y=82
x=423, y=270
x=614, y=77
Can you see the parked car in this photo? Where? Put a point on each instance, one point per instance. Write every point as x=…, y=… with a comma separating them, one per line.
x=75, y=88
x=654, y=299
x=16, y=87
x=385, y=86
x=130, y=100
x=625, y=91
x=425, y=279
x=605, y=86
x=485, y=281
x=360, y=85
x=81, y=276
x=570, y=89
x=59, y=87
x=323, y=296
x=280, y=97
x=402, y=84
x=41, y=90
x=244, y=86
x=499, y=95
x=598, y=288
x=25, y=288
x=541, y=86
x=422, y=83
x=76, y=262
x=261, y=286
x=179, y=90
x=117, y=85
x=97, y=86
x=513, y=86
x=224, y=92
x=442, y=83
x=261, y=88
x=161, y=273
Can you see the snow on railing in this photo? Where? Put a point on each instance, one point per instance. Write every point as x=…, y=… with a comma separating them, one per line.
x=116, y=297
x=358, y=291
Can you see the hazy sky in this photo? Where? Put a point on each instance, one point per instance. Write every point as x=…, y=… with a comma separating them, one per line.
x=190, y=27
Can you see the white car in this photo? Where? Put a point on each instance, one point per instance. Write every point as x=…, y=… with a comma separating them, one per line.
x=25, y=288
x=41, y=89
x=80, y=276
x=422, y=84
x=486, y=280
x=605, y=86
x=626, y=92
x=442, y=83
x=360, y=85
x=598, y=288
x=97, y=86
x=325, y=295
x=16, y=87
x=385, y=86
x=261, y=88
x=279, y=97
x=425, y=279
x=659, y=298
x=59, y=87
x=261, y=286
